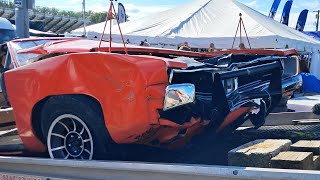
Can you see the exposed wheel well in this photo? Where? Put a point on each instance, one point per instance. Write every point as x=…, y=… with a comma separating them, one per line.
x=36, y=111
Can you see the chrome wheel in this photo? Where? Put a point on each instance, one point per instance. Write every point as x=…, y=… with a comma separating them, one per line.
x=69, y=138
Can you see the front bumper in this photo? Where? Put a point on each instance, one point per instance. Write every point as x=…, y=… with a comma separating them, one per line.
x=212, y=106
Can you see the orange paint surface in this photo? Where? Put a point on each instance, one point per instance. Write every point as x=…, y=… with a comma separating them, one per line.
x=233, y=116
x=130, y=89
x=11, y=153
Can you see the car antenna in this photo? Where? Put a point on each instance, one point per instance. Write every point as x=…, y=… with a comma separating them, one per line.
x=109, y=16
x=240, y=24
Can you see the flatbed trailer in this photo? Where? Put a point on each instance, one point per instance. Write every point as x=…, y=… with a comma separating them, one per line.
x=13, y=168
x=30, y=168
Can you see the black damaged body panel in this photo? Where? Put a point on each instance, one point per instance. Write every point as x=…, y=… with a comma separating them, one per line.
x=290, y=82
x=213, y=103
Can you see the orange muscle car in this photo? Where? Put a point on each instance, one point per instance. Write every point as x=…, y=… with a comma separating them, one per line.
x=78, y=101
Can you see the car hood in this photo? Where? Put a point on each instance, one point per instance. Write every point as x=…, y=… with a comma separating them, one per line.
x=76, y=45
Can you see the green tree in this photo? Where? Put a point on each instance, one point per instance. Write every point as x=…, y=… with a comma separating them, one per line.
x=93, y=17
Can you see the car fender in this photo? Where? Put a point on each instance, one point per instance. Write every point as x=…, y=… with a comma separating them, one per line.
x=128, y=88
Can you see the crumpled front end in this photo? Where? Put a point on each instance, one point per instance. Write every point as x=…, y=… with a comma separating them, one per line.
x=215, y=99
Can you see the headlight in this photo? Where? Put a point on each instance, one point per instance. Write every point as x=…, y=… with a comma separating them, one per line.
x=230, y=85
x=178, y=95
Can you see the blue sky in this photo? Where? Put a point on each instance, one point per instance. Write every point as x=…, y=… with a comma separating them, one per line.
x=140, y=8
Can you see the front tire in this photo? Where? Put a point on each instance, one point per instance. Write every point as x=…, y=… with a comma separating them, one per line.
x=67, y=142
x=74, y=129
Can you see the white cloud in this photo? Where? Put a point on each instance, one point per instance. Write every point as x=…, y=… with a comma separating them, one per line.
x=309, y=4
x=140, y=11
x=74, y=1
x=297, y=7
x=252, y=3
x=132, y=10
x=294, y=19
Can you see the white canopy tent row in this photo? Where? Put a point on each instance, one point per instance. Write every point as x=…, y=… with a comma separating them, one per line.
x=33, y=31
x=211, y=21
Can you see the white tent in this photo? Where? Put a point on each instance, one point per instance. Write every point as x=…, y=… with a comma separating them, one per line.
x=209, y=21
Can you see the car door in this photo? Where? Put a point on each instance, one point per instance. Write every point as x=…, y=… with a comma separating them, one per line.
x=6, y=64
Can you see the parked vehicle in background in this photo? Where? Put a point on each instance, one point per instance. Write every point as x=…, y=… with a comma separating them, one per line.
x=79, y=101
x=7, y=31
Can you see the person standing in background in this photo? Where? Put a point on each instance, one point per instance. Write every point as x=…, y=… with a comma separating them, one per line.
x=185, y=47
x=211, y=48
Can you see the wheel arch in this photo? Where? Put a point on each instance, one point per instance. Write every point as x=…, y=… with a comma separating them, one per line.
x=36, y=111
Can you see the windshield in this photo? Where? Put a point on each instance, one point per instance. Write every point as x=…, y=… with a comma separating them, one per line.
x=26, y=58
x=6, y=35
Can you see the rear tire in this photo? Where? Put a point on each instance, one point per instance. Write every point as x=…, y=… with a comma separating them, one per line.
x=74, y=129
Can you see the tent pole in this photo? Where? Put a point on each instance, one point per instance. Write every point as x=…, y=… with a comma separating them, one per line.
x=110, y=34
x=234, y=39
x=84, y=17
x=246, y=34
x=102, y=35
x=116, y=16
x=240, y=24
x=318, y=17
x=240, y=21
x=104, y=29
x=110, y=13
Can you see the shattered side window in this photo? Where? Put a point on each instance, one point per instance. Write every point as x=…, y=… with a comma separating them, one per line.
x=26, y=58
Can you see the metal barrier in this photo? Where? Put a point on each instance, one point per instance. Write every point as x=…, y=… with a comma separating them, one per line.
x=31, y=168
